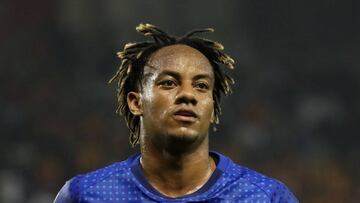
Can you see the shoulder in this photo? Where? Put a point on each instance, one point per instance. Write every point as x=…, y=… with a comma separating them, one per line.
x=243, y=183
x=273, y=189
x=64, y=195
x=78, y=186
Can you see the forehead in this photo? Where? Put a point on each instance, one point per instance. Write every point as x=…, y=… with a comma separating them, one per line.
x=179, y=58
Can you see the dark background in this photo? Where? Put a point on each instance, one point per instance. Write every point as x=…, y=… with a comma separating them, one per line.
x=294, y=114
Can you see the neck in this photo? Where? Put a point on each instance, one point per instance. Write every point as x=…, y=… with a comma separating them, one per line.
x=176, y=174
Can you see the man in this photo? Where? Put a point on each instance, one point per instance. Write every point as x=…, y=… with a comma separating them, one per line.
x=169, y=92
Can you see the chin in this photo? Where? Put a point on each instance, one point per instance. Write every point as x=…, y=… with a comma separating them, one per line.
x=184, y=132
x=183, y=137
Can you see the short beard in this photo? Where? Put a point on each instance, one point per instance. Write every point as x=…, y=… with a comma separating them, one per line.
x=176, y=145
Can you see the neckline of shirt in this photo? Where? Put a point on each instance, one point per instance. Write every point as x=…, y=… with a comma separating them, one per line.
x=221, y=166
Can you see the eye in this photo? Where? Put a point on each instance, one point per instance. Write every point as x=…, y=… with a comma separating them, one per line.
x=202, y=86
x=167, y=83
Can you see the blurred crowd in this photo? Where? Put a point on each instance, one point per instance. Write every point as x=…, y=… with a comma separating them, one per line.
x=294, y=113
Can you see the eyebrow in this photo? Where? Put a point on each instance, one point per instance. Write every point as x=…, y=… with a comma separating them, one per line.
x=177, y=76
x=174, y=74
x=203, y=76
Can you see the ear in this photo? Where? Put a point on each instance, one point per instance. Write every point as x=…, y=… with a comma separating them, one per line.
x=212, y=117
x=134, y=103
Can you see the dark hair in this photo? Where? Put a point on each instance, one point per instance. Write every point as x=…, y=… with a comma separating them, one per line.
x=134, y=56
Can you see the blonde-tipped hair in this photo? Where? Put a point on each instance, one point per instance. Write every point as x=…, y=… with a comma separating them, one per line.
x=135, y=55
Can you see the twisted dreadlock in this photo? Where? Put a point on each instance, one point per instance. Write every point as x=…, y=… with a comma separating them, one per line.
x=135, y=55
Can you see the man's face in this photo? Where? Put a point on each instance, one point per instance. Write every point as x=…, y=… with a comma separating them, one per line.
x=176, y=98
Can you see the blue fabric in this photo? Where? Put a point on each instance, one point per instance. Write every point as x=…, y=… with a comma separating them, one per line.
x=125, y=182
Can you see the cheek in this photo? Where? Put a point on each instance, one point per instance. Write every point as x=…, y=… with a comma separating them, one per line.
x=156, y=104
x=207, y=107
x=161, y=106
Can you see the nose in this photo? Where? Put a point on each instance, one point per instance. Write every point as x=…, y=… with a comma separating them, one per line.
x=186, y=95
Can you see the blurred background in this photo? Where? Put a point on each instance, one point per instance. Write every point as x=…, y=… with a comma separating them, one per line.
x=294, y=114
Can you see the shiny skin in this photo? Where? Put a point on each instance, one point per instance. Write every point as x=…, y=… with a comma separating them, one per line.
x=177, y=78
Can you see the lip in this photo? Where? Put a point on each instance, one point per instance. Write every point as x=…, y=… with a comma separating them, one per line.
x=185, y=115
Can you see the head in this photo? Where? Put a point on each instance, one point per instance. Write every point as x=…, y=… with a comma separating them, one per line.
x=161, y=81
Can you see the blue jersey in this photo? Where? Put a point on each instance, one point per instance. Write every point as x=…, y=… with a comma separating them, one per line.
x=125, y=182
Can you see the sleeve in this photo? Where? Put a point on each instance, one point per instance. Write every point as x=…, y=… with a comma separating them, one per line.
x=282, y=194
x=64, y=195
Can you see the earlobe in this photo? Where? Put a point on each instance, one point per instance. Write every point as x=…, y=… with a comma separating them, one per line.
x=134, y=103
x=212, y=117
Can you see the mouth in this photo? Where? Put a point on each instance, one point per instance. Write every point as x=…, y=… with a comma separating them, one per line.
x=185, y=115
